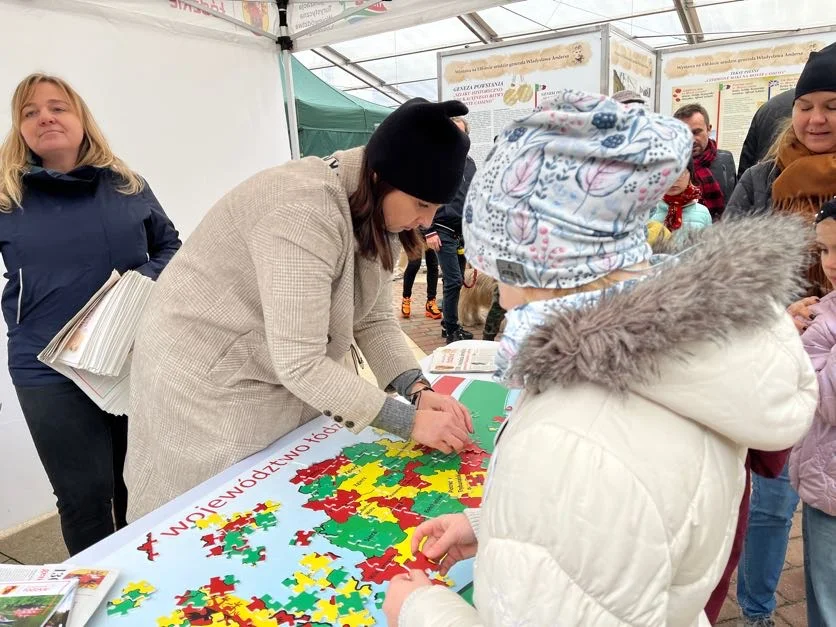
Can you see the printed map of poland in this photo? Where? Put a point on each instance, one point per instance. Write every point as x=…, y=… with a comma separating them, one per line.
x=318, y=540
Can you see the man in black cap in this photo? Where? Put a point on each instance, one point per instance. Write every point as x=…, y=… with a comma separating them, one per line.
x=445, y=237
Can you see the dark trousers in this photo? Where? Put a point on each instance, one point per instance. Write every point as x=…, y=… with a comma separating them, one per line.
x=451, y=269
x=82, y=449
x=432, y=275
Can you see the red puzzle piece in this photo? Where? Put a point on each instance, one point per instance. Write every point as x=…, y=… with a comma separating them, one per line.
x=315, y=471
x=339, y=507
x=303, y=538
x=148, y=547
x=218, y=587
x=381, y=569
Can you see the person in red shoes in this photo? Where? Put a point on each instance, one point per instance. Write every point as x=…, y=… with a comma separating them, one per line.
x=431, y=309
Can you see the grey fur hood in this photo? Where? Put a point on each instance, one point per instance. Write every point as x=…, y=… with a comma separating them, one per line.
x=733, y=277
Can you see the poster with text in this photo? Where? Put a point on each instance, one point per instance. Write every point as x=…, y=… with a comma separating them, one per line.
x=499, y=84
x=733, y=80
x=632, y=67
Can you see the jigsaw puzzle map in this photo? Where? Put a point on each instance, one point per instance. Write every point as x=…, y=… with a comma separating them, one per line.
x=311, y=538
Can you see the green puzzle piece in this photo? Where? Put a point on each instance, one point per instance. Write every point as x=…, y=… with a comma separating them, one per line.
x=431, y=504
x=303, y=602
x=322, y=487
x=389, y=480
x=122, y=607
x=234, y=542
x=365, y=453
x=370, y=537
x=265, y=520
x=350, y=603
x=337, y=577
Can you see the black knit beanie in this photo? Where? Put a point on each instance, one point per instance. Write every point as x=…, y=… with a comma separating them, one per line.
x=819, y=73
x=828, y=210
x=419, y=150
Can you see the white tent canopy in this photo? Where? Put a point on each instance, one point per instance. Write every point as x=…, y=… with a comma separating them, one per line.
x=388, y=68
x=299, y=25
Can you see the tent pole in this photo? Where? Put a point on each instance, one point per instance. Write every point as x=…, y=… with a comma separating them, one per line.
x=290, y=101
x=286, y=44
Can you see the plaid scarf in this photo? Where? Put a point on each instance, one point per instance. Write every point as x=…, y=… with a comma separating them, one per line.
x=712, y=193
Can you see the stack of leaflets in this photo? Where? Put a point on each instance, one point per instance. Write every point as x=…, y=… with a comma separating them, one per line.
x=54, y=595
x=94, y=348
x=37, y=604
x=464, y=357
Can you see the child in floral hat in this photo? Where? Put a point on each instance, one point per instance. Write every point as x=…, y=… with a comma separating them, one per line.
x=612, y=495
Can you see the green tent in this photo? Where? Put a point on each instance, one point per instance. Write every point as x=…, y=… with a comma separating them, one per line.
x=329, y=119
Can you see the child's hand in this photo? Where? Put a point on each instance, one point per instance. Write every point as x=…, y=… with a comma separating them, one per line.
x=400, y=587
x=801, y=313
x=434, y=242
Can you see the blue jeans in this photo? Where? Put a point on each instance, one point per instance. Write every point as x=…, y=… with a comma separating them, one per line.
x=765, y=549
x=819, y=533
x=451, y=270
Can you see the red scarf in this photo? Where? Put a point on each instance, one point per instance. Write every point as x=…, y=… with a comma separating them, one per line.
x=712, y=193
x=675, y=205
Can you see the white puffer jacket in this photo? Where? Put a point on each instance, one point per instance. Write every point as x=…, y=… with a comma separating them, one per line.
x=615, y=486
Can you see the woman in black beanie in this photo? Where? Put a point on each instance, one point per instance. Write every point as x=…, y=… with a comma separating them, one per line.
x=797, y=176
x=251, y=329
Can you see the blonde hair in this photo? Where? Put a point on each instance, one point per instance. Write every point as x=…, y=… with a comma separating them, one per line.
x=464, y=122
x=94, y=150
x=785, y=137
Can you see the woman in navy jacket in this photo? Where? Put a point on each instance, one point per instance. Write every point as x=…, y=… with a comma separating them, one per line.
x=70, y=213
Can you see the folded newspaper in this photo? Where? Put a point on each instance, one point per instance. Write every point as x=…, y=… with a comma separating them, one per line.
x=94, y=347
x=476, y=357
x=89, y=588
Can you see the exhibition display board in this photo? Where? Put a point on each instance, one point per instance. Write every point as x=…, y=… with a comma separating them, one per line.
x=731, y=79
x=499, y=82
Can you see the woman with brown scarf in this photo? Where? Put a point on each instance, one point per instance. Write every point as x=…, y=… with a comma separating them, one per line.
x=797, y=176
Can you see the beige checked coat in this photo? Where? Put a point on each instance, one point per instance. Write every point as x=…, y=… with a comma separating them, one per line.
x=247, y=332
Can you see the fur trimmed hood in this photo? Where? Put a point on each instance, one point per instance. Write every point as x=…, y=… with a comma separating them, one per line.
x=704, y=335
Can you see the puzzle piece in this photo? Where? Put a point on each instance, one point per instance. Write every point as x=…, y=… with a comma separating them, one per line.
x=350, y=603
x=326, y=611
x=265, y=520
x=218, y=586
x=302, y=602
x=234, y=542
x=120, y=606
x=195, y=598
x=302, y=582
x=267, y=507
x=270, y=604
x=357, y=619
x=381, y=569
x=379, y=597
x=251, y=557
x=142, y=587
x=213, y=520
x=176, y=619
x=148, y=547
x=303, y=538
x=317, y=561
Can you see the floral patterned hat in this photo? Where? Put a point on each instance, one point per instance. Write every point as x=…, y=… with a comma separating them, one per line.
x=565, y=193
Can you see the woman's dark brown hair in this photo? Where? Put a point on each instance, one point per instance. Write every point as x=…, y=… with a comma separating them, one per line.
x=370, y=225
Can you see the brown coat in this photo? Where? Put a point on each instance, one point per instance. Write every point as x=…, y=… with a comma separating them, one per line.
x=247, y=332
